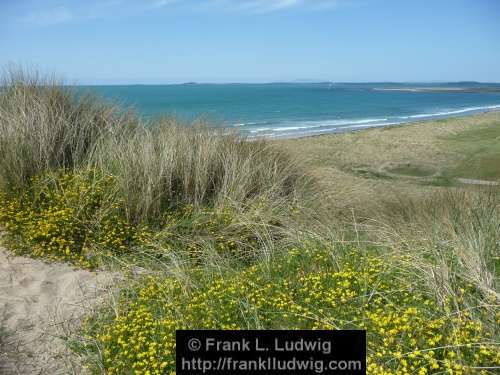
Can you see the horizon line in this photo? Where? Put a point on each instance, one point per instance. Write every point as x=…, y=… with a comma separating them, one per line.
x=187, y=83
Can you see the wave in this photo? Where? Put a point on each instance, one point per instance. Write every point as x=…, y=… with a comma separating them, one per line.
x=260, y=130
x=303, y=128
x=299, y=125
x=249, y=123
x=454, y=112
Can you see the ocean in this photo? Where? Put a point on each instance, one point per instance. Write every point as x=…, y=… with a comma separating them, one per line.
x=300, y=109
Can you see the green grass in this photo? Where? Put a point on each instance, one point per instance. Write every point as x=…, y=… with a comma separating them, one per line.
x=427, y=293
x=412, y=170
x=480, y=150
x=367, y=172
x=443, y=181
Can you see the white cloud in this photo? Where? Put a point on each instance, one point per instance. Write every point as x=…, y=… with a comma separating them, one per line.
x=162, y=3
x=251, y=6
x=52, y=16
x=265, y=6
x=94, y=9
x=73, y=12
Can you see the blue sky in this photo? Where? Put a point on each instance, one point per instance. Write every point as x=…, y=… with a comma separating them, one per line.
x=168, y=41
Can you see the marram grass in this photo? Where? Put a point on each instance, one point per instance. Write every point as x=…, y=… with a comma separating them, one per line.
x=45, y=126
x=156, y=166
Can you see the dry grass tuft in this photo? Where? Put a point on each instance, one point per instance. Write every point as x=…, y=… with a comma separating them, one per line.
x=166, y=165
x=45, y=126
x=449, y=238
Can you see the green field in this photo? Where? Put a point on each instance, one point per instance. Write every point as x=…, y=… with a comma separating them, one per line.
x=412, y=160
x=480, y=150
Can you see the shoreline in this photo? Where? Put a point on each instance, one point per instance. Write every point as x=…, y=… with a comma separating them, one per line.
x=374, y=127
x=408, y=161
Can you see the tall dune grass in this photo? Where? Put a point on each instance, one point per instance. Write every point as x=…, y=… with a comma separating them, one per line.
x=450, y=242
x=45, y=126
x=157, y=166
x=164, y=165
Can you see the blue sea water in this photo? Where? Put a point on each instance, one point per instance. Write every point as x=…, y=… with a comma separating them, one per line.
x=299, y=109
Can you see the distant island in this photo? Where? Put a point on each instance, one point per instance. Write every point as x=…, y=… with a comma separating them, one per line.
x=441, y=89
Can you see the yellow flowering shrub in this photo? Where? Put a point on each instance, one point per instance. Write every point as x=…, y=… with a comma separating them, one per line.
x=407, y=333
x=67, y=216
x=75, y=217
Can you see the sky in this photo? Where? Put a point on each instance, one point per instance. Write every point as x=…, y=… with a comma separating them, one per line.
x=172, y=41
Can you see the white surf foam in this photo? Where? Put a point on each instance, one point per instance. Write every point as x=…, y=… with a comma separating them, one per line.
x=248, y=123
x=324, y=124
x=454, y=112
x=302, y=128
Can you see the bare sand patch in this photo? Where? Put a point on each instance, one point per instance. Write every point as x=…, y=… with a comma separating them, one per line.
x=40, y=305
